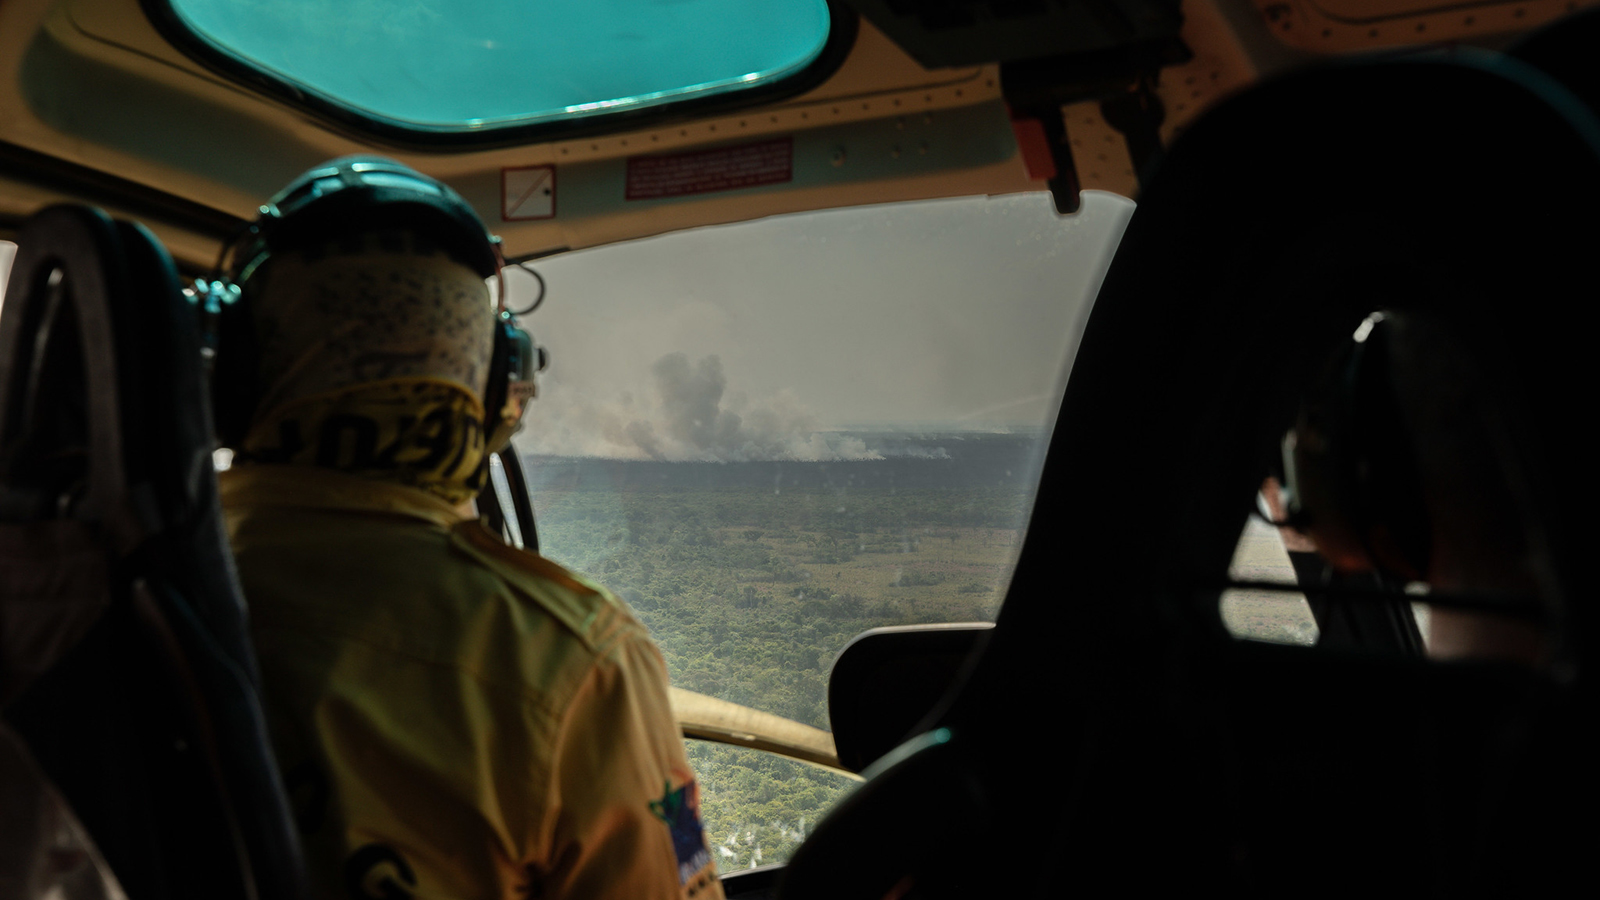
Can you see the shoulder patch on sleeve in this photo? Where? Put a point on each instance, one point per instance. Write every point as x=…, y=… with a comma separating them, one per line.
x=679, y=810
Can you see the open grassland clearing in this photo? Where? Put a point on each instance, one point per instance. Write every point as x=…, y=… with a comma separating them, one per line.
x=751, y=594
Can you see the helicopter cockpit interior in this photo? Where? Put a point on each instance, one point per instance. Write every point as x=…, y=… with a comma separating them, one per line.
x=1186, y=493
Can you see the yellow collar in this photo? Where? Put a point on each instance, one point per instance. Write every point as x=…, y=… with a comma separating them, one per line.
x=309, y=487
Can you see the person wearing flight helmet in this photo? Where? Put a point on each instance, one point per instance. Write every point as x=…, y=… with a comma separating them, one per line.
x=454, y=717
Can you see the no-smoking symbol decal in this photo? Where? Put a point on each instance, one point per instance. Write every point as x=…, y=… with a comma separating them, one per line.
x=528, y=192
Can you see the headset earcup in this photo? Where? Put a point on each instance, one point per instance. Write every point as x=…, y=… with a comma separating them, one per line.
x=1394, y=514
x=1317, y=477
x=495, y=391
x=1353, y=471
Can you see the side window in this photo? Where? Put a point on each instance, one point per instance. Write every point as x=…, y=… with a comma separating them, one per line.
x=1263, y=614
x=1268, y=566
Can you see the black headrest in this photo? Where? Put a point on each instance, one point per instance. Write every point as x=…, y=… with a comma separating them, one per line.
x=1275, y=224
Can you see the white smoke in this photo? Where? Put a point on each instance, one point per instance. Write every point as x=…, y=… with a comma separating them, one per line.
x=915, y=451
x=687, y=415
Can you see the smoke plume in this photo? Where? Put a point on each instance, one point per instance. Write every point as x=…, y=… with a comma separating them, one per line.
x=687, y=415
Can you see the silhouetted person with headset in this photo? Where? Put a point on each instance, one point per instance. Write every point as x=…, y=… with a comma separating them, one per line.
x=1399, y=469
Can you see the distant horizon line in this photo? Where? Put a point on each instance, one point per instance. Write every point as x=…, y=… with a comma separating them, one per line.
x=910, y=449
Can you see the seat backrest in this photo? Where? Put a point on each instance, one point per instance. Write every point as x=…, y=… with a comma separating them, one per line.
x=44, y=852
x=124, y=660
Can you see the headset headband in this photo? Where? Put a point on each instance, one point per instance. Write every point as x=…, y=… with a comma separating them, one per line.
x=362, y=193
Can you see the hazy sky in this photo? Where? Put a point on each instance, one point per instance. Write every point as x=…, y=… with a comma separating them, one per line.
x=746, y=341
x=764, y=339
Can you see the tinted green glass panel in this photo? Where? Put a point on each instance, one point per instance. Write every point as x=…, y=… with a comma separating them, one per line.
x=458, y=65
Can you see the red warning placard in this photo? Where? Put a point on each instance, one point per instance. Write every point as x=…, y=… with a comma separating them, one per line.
x=705, y=171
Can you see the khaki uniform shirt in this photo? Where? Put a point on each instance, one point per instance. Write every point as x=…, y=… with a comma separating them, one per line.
x=456, y=718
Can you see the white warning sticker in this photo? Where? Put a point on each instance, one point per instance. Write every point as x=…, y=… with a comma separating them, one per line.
x=527, y=192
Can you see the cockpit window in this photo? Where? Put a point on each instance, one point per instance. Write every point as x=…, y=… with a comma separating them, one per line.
x=769, y=437
x=458, y=66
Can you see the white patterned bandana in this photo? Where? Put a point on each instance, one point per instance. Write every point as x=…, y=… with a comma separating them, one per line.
x=373, y=356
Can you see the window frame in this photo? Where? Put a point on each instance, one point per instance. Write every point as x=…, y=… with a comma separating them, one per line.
x=843, y=26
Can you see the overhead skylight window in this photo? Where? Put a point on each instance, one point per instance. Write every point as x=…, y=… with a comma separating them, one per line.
x=472, y=65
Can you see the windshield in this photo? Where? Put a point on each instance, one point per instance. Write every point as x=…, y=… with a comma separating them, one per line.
x=769, y=437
